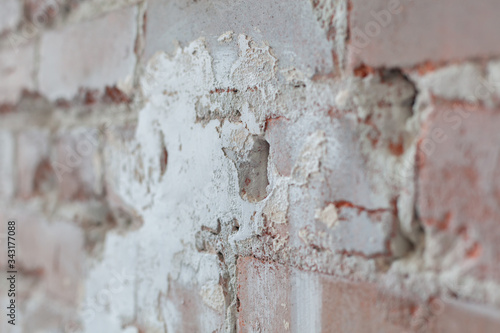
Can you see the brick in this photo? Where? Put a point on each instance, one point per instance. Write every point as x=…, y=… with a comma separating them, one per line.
x=68, y=163
x=363, y=307
x=16, y=69
x=191, y=313
x=458, y=180
x=418, y=31
x=292, y=26
x=10, y=14
x=76, y=164
x=34, y=174
x=97, y=54
x=53, y=252
x=277, y=298
x=272, y=298
x=459, y=316
x=7, y=167
x=321, y=186
x=367, y=218
x=263, y=291
x=283, y=148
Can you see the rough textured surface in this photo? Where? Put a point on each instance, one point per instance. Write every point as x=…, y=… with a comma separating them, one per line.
x=221, y=166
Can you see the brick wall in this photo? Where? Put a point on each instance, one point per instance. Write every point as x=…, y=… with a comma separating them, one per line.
x=251, y=166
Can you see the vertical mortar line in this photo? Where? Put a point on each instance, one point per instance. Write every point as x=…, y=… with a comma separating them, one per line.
x=347, y=7
x=139, y=45
x=419, y=239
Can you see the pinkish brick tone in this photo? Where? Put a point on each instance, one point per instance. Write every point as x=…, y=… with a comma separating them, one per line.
x=283, y=148
x=456, y=316
x=392, y=33
x=190, y=306
x=44, y=253
x=458, y=182
x=344, y=306
x=251, y=166
x=271, y=294
x=264, y=296
x=363, y=307
x=90, y=55
x=76, y=164
x=34, y=174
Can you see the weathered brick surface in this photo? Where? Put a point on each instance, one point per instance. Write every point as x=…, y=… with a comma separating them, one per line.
x=189, y=300
x=97, y=54
x=227, y=166
x=44, y=253
x=168, y=22
x=458, y=183
x=337, y=305
x=263, y=285
x=350, y=205
x=76, y=164
x=392, y=33
x=34, y=173
x=342, y=306
x=463, y=317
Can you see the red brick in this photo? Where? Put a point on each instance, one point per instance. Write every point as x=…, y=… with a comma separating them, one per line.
x=193, y=315
x=77, y=164
x=458, y=186
x=98, y=53
x=271, y=294
x=53, y=252
x=425, y=30
x=33, y=163
x=464, y=317
x=262, y=289
x=69, y=164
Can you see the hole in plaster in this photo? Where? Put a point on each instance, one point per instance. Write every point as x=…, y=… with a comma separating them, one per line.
x=251, y=164
x=236, y=225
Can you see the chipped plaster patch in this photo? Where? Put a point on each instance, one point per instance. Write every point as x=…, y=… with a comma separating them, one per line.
x=255, y=66
x=309, y=161
x=226, y=37
x=277, y=205
x=328, y=215
x=213, y=296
